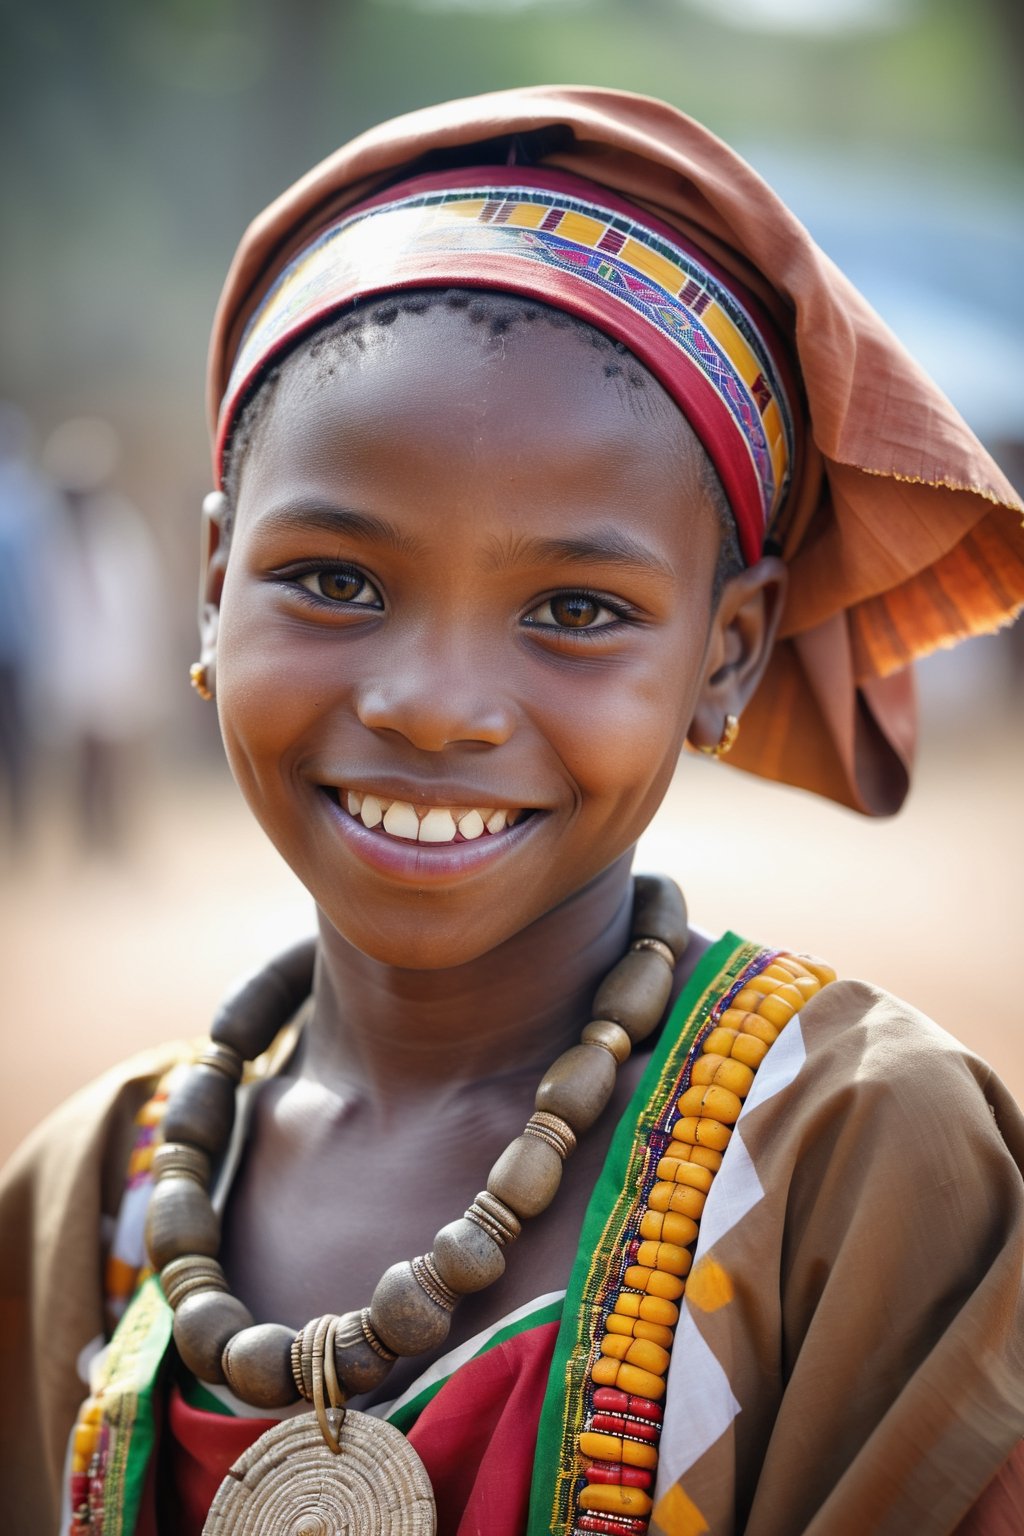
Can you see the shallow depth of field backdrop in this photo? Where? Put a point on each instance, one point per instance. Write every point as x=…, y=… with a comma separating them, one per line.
x=137, y=141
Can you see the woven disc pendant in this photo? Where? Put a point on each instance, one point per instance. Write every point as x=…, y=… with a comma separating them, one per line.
x=290, y=1483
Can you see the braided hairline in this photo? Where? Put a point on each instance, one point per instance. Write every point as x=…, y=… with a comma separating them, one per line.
x=495, y=312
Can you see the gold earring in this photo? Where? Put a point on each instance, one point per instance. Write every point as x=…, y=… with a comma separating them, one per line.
x=197, y=677
x=727, y=740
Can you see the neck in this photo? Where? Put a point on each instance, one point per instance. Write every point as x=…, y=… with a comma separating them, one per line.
x=399, y=1036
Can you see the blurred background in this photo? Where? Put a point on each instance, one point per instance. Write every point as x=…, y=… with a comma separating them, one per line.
x=136, y=143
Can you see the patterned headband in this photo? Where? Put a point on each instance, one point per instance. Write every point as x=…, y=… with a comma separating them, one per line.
x=575, y=246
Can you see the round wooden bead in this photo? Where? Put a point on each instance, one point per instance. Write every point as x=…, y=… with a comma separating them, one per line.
x=203, y=1324
x=611, y=1036
x=201, y=1110
x=257, y=1365
x=192, y=1272
x=406, y=1318
x=659, y=912
x=467, y=1258
x=180, y=1220
x=360, y=1367
x=635, y=993
x=527, y=1174
x=578, y=1085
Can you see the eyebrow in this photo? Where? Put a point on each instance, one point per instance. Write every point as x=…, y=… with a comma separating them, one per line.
x=301, y=515
x=607, y=546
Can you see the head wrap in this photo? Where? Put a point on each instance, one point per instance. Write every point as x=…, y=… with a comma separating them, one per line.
x=900, y=532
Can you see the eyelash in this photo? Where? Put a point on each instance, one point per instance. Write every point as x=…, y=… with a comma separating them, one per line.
x=622, y=613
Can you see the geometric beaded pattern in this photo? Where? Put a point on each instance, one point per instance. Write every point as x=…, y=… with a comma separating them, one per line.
x=635, y=269
x=617, y=1448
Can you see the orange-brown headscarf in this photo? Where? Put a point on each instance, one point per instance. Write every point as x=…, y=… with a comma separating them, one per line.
x=901, y=534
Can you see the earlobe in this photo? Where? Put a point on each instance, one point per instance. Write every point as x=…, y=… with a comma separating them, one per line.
x=739, y=646
x=213, y=565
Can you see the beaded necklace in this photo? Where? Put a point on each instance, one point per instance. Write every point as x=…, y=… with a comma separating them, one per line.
x=343, y=1471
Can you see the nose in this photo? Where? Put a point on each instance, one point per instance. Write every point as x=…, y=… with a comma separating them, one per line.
x=436, y=696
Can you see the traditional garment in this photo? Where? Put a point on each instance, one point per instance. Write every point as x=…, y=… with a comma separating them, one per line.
x=899, y=531
x=850, y=1352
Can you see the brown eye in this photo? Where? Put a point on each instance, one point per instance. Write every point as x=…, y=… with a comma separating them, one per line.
x=341, y=586
x=574, y=610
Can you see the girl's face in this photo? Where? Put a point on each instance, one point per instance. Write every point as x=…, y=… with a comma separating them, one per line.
x=467, y=573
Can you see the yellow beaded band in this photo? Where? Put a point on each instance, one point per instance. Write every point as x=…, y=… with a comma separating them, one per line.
x=618, y=1446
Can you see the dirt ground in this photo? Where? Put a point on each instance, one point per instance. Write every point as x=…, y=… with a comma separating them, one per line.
x=103, y=958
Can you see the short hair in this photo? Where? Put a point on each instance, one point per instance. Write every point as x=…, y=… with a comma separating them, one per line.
x=496, y=313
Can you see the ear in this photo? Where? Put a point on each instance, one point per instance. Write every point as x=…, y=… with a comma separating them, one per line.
x=740, y=643
x=213, y=562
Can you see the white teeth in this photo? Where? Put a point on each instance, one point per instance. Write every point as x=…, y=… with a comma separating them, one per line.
x=472, y=824
x=437, y=826
x=401, y=820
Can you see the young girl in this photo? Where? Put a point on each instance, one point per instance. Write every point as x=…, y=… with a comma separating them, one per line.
x=546, y=442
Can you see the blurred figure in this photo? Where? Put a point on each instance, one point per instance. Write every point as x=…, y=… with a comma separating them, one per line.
x=26, y=513
x=107, y=630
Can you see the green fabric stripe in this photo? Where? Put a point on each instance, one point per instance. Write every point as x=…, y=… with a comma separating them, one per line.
x=407, y=1415
x=197, y=1395
x=130, y=1373
x=599, y=1255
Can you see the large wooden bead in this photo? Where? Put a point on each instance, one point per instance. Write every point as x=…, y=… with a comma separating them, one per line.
x=467, y=1258
x=257, y=1365
x=360, y=1368
x=251, y=1017
x=406, y=1318
x=635, y=993
x=201, y=1110
x=203, y=1324
x=611, y=1036
x=527, y=1174
x=176, y=1157
x=659, y=912
x=180, y=1220
x=578, y=1085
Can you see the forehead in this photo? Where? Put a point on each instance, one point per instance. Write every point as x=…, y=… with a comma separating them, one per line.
x=511, y=413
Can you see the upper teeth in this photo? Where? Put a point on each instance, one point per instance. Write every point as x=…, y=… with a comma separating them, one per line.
x=426, y=824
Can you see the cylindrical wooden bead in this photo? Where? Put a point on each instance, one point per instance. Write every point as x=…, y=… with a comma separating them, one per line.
x=611, y=1036
x=652, y=1309
x=749, y=1050
x=254, y=1014
x=176, y=1157
x=711, y=1103
x=636, y=1328
x=611, y=1499
x=655, y=1282
x=680, y=1169
x=180, y=1220
x=635, y=993
x=659, y=912
x=406, y=1318
x=694, y=1131
x=192, y=1272
x=203, y=1324
x=665, y=1227
x=527, y=1174
x=613, y=1447
x=467, y=1258
x=669, y=1257
x=257, y=1365
x=578, y=1085
x=201, y=1110
x=628, y=1378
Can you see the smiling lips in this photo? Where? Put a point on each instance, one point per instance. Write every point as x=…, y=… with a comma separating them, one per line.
x=426, y=824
